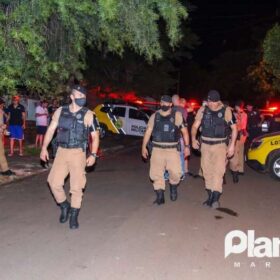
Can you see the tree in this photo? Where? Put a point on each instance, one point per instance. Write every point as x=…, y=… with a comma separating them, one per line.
x=271, y=55
x=133, y=72
x=266, y=73
x=43, y=42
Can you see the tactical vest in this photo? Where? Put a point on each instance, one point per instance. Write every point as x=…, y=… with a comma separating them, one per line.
x=71, y=131
x=165, y=130
x=213, y=124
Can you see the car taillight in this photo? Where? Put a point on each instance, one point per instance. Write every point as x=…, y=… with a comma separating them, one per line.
x=255, y=144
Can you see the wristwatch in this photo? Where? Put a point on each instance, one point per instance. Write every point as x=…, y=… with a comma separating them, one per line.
x=94, y=155
x=187, y=146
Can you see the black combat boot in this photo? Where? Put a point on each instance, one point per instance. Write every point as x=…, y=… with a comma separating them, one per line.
x=9, y=172
x=215, y=200
x=160, y=197
x=173, y=192
x=73, y=222
x=64, y=207
x=235, y=177
x=208, y=202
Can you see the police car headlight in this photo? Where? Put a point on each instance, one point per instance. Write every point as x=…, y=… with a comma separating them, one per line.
x=256, y=143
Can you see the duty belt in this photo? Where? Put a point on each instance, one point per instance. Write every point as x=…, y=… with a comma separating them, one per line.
x=67, y=146
x=214, y=142
x=165, y=146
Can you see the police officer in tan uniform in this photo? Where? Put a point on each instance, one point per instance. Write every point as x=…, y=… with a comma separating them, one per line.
x=5, y=171
x=165, y=128
x=237, y=161
x=74, y=123
x=214, y=119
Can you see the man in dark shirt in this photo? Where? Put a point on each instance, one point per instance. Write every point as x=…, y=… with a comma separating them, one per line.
x=16, y=119
x=254, y=120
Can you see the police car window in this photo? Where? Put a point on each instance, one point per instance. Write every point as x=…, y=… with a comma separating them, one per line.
x=137, y=115
x=105, y=109
x=119, y=111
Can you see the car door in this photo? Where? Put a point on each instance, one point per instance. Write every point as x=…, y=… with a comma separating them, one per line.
x=119, y=113
x=137, y=122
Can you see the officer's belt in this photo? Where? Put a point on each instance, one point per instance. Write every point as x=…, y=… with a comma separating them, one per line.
x=165, y=146
x=214, y=142
x=67, y=146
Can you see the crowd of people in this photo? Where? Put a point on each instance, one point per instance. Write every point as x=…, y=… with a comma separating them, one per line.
x=218, y=131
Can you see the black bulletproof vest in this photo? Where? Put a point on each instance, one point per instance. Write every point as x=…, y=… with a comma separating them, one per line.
x=213, y=123
x=71, y=131
x=165, y=130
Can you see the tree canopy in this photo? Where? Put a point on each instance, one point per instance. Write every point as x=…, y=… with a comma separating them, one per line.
x=43, y=42
x=266, y=74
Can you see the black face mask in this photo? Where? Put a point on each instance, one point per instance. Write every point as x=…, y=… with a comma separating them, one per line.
x=80, y=101
x=165, y=108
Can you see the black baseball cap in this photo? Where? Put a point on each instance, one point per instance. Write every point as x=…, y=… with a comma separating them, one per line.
x=80, y=89
x=214, y=96
x=166, y=98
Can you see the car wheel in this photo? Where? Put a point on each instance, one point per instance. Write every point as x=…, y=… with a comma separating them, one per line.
x=274, y=166
x=103, y=130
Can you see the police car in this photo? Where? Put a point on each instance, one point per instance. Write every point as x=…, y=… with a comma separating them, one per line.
x=264, y=154
x=121, y=119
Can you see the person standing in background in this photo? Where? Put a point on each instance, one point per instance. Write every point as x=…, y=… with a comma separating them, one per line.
x=185, y=160
x=5, y=171
x=41, y=115
x=237, y=161
x=254, y=121
x=16, y=120
x=178, y=108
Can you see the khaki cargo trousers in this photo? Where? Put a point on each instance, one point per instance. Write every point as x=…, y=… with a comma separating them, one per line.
x=73, y=162
x=236, y=163
x=161, y=160
x=213, y=165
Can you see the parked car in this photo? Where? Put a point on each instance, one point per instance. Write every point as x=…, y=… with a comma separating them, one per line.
x=264, y=154
x=121, y=119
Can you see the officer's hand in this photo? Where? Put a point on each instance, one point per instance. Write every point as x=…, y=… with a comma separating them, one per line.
x=187, y=152
x=44, y=156
x=91, y=160
x=195, y=144
x=145, y=153
x=230, y=151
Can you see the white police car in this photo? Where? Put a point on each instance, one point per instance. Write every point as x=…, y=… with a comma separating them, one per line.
x=121, y=119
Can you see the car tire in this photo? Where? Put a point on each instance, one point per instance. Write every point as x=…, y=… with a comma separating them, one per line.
x=103, y=130
x=274, y=166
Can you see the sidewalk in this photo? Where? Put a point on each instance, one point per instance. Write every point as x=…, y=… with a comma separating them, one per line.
x=30, y=164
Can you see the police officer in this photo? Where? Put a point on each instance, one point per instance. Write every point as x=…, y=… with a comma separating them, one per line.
x=237, y=161
x=165, y=127
x=74, y=123
x=254, y=120
x=214, y=119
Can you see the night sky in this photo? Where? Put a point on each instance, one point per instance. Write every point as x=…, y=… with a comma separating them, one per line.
x=228, y=24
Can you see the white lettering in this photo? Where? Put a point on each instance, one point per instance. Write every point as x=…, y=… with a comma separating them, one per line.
x=237, y=264
x=264, y=248
x=237, y=242
x=235, y=249
x=268, y=264
x=252, y=265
